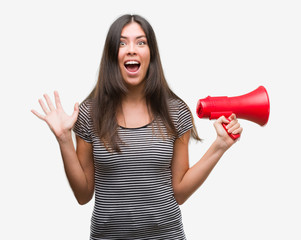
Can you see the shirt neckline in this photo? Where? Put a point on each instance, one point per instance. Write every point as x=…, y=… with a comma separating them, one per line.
x=135, y=128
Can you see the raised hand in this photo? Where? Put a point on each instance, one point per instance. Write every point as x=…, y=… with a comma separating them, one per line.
x=58, y=121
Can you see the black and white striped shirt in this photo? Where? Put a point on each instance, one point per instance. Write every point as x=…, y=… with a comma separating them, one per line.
x=133, y=191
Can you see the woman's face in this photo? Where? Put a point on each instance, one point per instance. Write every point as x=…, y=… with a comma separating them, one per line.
x=133, y=55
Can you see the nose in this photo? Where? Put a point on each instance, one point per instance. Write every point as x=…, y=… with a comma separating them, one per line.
x=131, y=49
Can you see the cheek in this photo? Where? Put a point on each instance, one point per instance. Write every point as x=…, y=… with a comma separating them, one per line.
x=147, y=65
x=146, y=58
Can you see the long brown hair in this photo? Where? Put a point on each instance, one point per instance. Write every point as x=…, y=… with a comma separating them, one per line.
x=110, y=86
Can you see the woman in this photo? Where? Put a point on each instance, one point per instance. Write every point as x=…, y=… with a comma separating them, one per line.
x=132, y=135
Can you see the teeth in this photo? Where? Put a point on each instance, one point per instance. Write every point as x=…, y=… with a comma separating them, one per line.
x=131, y=62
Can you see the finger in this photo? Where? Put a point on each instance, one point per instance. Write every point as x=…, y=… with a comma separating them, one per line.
x=232, y=124
x=57, y=100
x=49, y=103
x=40, y=116
x=43, y=106
x=75, y=112
x=238, y=131
x=223, y=119
x=232, y=117
x=233, y=128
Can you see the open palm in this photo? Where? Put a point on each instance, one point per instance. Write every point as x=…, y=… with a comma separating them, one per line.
x=58, y=121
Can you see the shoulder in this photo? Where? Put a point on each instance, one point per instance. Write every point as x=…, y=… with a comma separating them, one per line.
x=85, y=108
x=85, y=111
x=181, y=115
x=83, y=124
x=86, y=105
x=177, y=105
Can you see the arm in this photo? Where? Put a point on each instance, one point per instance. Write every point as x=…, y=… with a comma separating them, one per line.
x=78, y=163
x=79, y=168
x=187, y=180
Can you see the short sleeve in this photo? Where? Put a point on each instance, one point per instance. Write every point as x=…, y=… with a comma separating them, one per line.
x=184, y=122
x=83, y=126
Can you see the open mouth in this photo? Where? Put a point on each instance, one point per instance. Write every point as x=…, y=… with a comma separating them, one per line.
x=132, y=66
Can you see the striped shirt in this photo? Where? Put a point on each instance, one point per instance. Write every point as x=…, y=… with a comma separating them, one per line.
x=133, y=190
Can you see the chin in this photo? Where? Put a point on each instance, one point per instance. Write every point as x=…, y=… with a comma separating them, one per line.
x=134, y=84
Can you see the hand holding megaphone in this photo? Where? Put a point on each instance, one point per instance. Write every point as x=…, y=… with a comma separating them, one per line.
x=253, y=106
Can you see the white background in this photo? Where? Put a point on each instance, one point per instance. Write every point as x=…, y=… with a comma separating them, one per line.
x=226, y=48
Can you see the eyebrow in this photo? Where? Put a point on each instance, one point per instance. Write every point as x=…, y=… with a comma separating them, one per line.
x=141, y=36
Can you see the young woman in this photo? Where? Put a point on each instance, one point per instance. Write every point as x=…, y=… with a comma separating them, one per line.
x=132, y=135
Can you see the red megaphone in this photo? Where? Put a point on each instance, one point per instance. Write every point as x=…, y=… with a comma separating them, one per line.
x=253, y=106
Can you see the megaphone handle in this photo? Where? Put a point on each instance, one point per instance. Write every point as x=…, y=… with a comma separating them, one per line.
x=233, y=136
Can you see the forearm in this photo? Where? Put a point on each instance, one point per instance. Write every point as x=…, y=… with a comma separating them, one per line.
x=197, y=174
x=74, y=172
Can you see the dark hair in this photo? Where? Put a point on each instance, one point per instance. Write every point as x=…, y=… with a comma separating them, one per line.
x=110, y=86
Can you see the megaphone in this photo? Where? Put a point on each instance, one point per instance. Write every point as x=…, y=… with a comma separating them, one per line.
x=253, y=106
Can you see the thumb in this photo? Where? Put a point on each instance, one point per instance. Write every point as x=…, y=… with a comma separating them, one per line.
x=218, y=124
x=222, y=119
x=75, y=112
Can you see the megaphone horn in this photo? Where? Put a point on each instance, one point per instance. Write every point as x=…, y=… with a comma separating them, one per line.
x=253, y=106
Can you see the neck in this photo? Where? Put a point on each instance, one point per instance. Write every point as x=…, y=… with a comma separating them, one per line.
x=134, y=96
x=133, y=111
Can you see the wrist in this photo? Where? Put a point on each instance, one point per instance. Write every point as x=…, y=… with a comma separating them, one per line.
x=64, y=137
x=220, y=145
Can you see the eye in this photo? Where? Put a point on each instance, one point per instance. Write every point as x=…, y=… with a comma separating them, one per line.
x=140, y=43
x=121, y=43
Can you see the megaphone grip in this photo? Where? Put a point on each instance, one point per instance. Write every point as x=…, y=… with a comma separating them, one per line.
x=233, y=136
